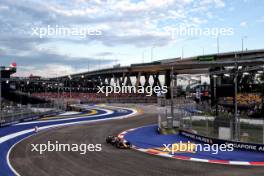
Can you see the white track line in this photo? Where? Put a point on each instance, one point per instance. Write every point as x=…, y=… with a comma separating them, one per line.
x=8, y=137
x=108, y=112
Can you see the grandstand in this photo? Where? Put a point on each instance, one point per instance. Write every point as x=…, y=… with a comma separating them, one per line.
x=16, y=105
x=97, y=97
x=83, y=87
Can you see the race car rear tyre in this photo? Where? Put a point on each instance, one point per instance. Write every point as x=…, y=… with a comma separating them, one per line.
x=117, y=145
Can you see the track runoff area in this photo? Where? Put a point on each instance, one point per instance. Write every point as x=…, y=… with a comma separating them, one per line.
x=189, y=146
x=12, y=135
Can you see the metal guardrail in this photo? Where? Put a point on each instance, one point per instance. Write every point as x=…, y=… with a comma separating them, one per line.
x=13, y=115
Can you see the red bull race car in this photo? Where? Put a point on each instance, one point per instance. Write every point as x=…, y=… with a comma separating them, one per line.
x=118, y=142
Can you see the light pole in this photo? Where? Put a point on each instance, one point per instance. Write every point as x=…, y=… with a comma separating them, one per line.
x=58, y=93
x=143, y=56
x=152, y=48
x=0, y=95
x=172, y=93
x=200, y=88
x=242, y=43
x=218, y=45
x=45, y=89
x=237, y=119
x=70, y=78
x=182, y=52
x=215, y=98
x=262, y=108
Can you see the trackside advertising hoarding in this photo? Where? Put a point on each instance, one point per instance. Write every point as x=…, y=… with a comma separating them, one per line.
x=237, y=145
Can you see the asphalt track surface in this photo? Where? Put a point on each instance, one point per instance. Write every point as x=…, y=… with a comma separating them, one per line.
x=110, y=161
x=11, y=135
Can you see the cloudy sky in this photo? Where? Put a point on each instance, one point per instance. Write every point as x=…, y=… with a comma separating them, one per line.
x=127, y=31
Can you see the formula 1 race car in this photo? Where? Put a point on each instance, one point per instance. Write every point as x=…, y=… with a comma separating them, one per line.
x=118, y=142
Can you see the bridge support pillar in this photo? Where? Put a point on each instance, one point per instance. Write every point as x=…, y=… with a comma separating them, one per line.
x=128, y=81
x=156, y=80
x=146, y=80
x=115, y=79
x=109, y=80
x=168, y=83
x=138, y=83
x=122, y=79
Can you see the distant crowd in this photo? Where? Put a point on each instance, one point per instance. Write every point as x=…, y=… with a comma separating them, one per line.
x=94, y=97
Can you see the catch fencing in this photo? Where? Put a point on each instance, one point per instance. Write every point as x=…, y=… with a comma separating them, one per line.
x=187, y=115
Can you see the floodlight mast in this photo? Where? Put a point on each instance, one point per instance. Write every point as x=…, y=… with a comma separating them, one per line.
x=236, y=117
x=263, y=110
x=172, y=89
x=0, y=95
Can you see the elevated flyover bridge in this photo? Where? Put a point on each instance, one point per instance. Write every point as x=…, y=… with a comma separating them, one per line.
x=205, y=64
x=133, y=74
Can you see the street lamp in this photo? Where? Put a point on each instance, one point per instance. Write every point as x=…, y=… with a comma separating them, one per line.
x=215, y=98
x=0, y=95
x=70, y=78
x=182, y=52
x=218, y=44
x=242, y=43
x=172, y=93
x=262, y=71
x=143, y=56
x=57, y=84
x=203, y=50
x=45, y=89
x=236, y=117
x=152, y=48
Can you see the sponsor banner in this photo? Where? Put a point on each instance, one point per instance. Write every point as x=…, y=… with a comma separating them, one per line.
x=206, y=58
x=237, y=145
